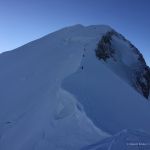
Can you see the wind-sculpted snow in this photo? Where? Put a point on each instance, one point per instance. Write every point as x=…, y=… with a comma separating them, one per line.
x=56, y=95
x=35, y=113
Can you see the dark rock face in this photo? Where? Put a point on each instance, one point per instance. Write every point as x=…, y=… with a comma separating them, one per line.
x=141, y=75
x=143, y=82
x=104, y=50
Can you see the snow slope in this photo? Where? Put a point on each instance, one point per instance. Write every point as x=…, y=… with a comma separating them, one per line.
x=124, y=140
x=35, y=113
x=111, y=103
x=48, y=102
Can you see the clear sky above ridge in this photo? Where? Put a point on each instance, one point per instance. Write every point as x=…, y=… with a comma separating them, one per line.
x=22, y=21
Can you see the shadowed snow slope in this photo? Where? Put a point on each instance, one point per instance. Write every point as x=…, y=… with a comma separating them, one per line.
x=110, y=102
x=124, y=140
x=56, y=95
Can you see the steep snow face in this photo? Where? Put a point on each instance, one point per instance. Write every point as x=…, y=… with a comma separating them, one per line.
x=35, y=112
x=125, y=60
x=111, y=103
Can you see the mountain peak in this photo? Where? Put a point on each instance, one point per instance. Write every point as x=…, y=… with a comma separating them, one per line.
x=70, y=89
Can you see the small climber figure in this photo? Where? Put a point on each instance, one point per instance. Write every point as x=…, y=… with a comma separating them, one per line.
x=82, y=67
x=83, y=55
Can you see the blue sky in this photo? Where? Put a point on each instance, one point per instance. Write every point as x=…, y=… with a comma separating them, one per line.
x=22, y=21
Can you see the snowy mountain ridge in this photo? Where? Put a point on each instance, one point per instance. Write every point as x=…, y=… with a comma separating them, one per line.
x=56, y=94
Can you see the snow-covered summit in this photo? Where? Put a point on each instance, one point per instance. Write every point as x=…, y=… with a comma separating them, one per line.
x=56, y=94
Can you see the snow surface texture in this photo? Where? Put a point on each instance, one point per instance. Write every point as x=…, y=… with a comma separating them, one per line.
x=124, y=140
x=56, y=95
